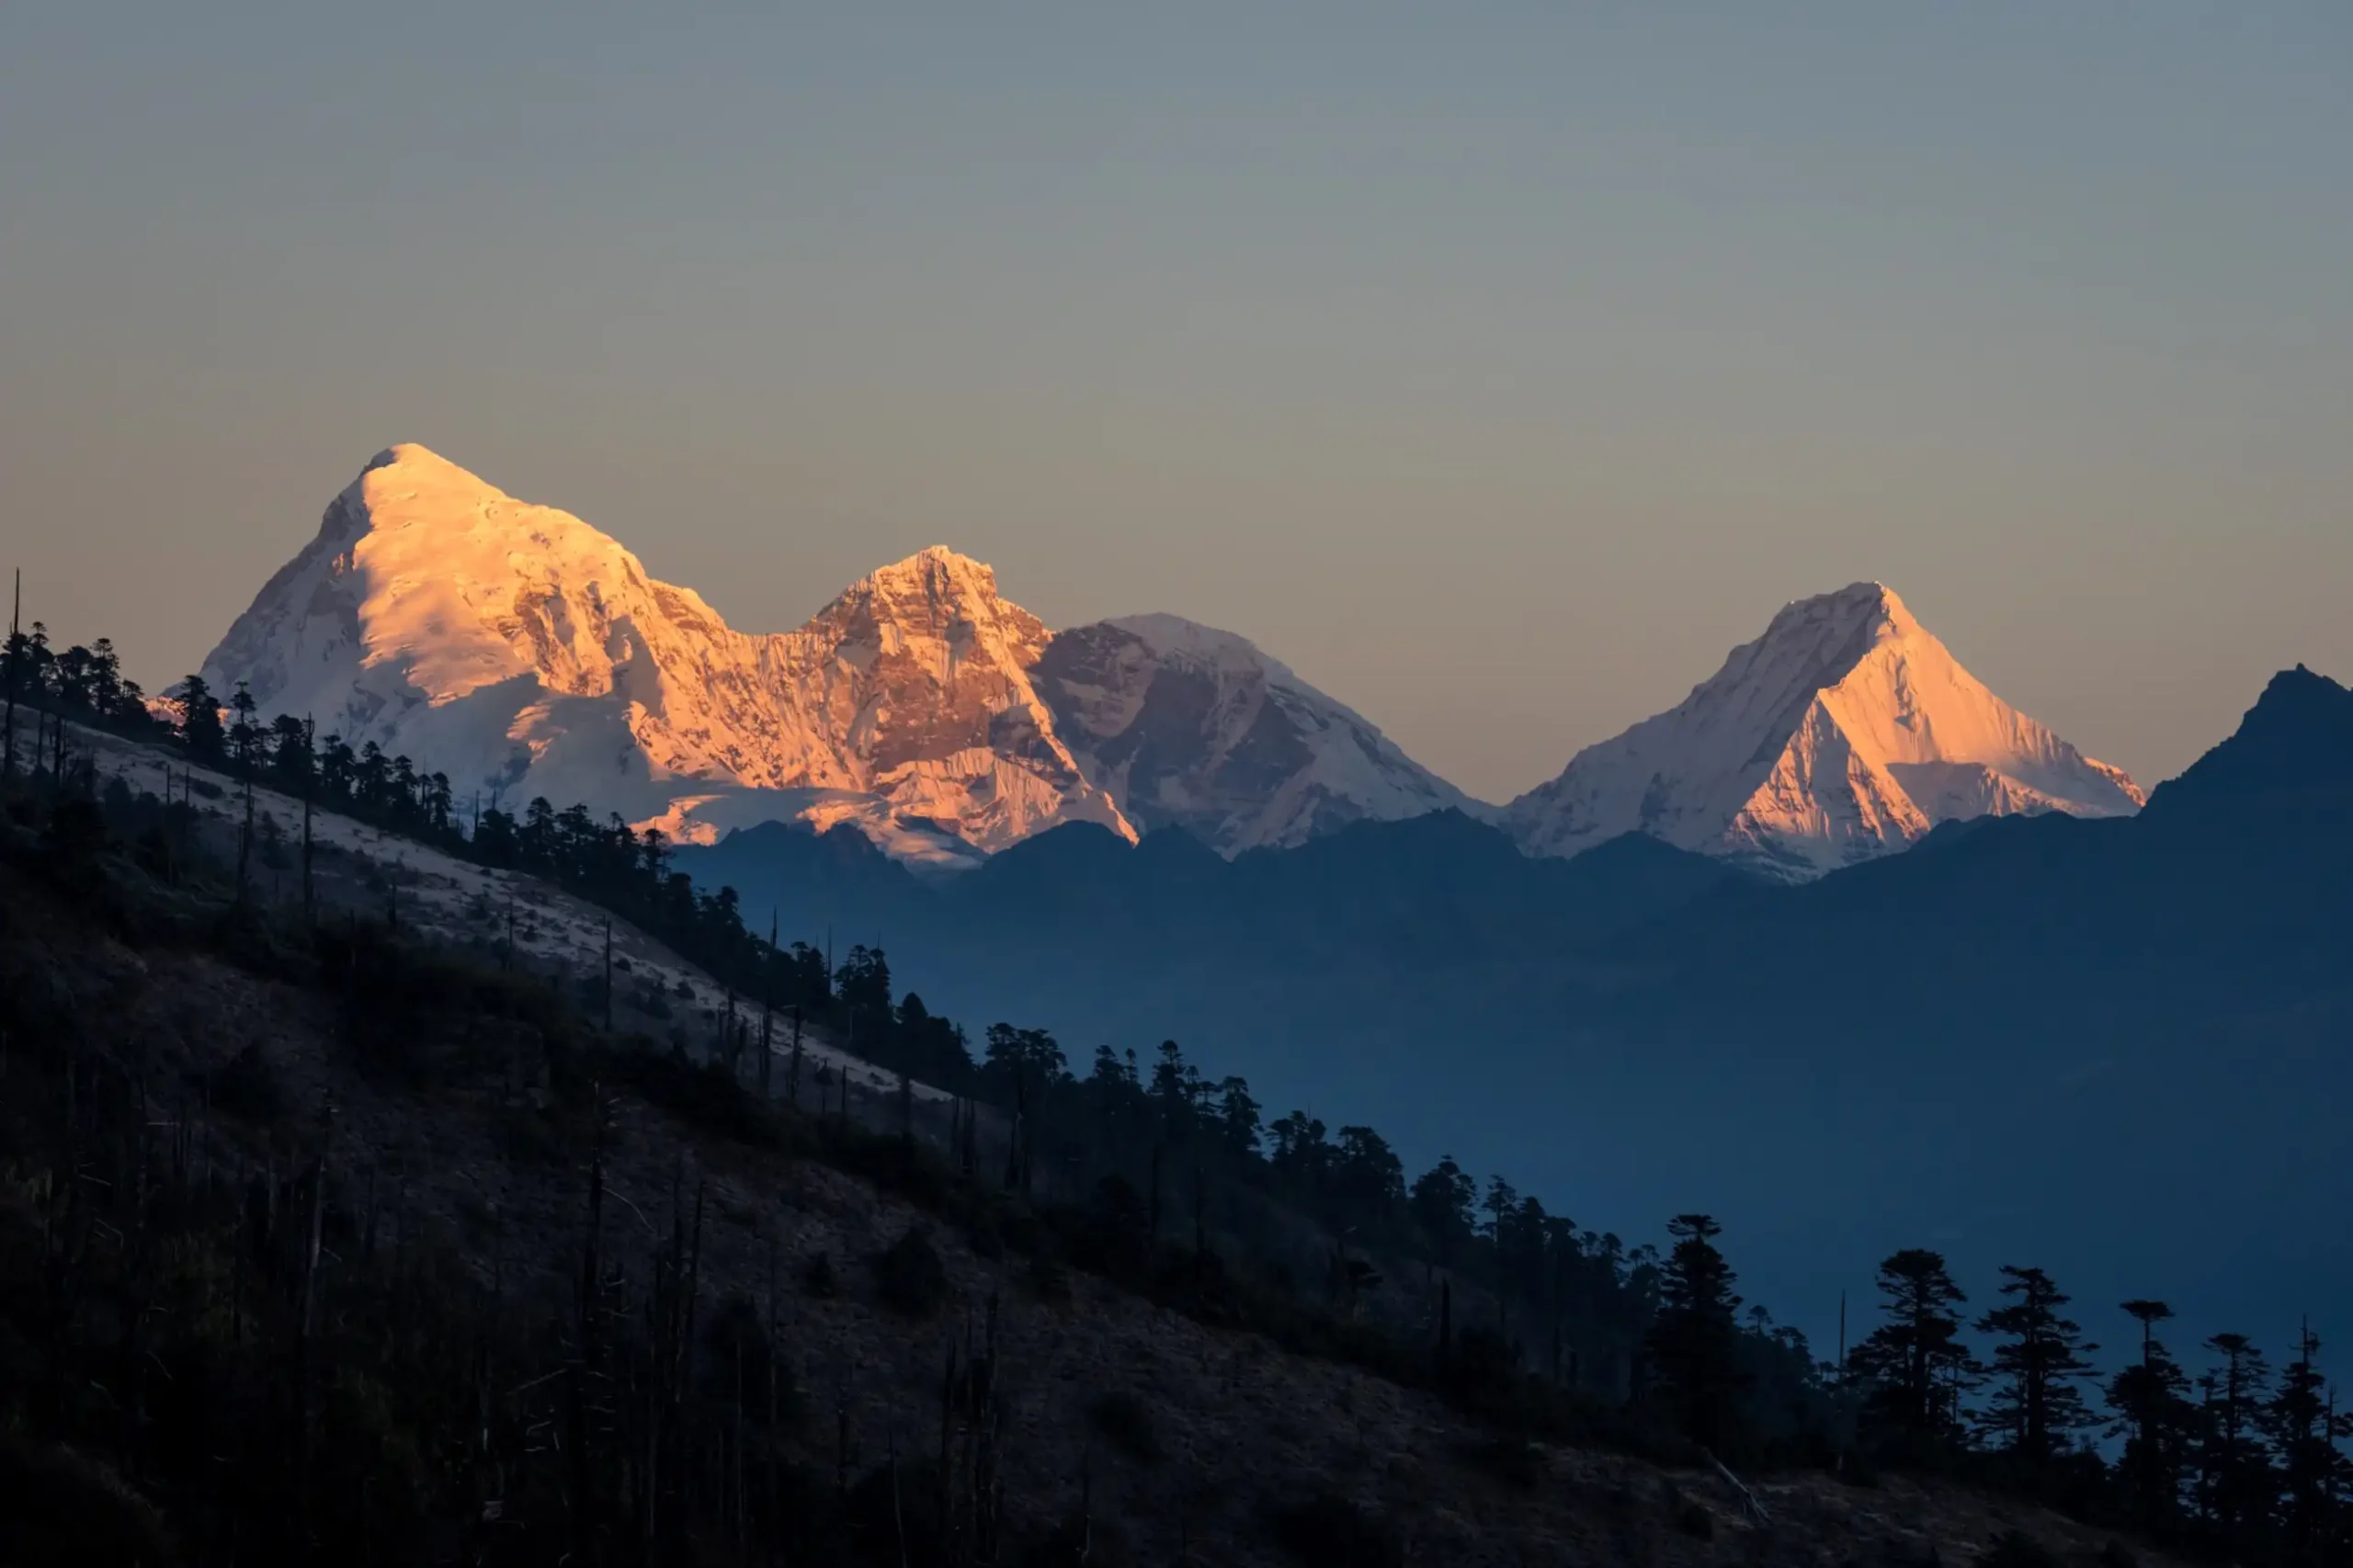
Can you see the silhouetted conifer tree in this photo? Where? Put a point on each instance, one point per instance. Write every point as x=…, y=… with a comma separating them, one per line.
x=1693, y=1344
x=2300, y=1424
x=1440, y=1202
x=1914, y=1363
x=200, y=729
x=2236, y=1480
x=2036, y=1404
x=2155, y=1417
x=244, y=734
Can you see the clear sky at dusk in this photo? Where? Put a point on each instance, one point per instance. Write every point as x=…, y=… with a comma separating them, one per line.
x=1497, y=366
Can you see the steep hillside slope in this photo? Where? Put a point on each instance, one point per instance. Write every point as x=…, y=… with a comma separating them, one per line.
x=522, y=922
x=532, y=1303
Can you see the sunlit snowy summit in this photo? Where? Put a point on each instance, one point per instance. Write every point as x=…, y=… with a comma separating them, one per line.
x=1846, y=732
x=523, y=653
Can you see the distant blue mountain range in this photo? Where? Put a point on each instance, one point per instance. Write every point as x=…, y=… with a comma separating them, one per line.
x=2118, y=1049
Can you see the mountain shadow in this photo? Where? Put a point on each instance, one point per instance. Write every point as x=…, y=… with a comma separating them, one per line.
x=2080, y=1036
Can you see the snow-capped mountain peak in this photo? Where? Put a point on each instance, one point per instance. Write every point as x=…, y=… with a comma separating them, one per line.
x=934, y=596
x=1188, y=726
x=1173, y=637
x=426, y=583
x=523, y=653
x=1846, y=731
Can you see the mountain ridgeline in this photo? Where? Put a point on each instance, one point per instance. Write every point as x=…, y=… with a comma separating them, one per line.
x=526, y=653
x=344, y=1245
x=1692, y=964
x=2075, y=1040
x=2091, y=1032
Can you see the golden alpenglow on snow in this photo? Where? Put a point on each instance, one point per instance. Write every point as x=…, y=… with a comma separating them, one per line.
x=522, y=653
x=1846, y=732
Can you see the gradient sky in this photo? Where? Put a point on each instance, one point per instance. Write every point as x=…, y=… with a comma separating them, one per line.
x=1497, y=366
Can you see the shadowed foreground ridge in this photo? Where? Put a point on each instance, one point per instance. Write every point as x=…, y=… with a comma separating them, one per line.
x=331, y=1242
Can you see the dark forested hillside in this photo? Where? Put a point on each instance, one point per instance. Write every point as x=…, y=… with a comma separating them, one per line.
x=2086, y=1033
x=167, y=1018
x=319, y=1242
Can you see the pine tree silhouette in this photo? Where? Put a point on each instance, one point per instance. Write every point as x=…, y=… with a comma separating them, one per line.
x=1694, y=1340
x=2299, y=1425
x=200, y=729
x=2036, y=1404
x=1916, y=1362
x=2151, y=1399
x=2236, y=1477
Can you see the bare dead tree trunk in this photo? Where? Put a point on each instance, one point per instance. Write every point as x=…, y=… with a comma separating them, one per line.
x=16, y=613
x=303, y=1370
x=946, y=1461
x=586, y=1362
x=775, y=1479
x=244, y=833
x=1155, y=1207
x=898, y=1517
x=309, y=772
x=768, y=1010
x=1200, y=1218
x=738, y=1446
x=793, y=1083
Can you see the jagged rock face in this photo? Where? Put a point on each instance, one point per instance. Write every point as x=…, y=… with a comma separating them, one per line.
x=1189, y=727
x=523, y=653
x=1847, y=732
x=920, y=673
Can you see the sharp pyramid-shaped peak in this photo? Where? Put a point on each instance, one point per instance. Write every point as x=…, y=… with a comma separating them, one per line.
x=1854, y=600
x=1814, y=641
x=418, y=515
x=415, y=457
x=1858, y=605
x=1845, y=731
x=1873, y=594
x=943, y=557
x=426, y=582
x=936, y=570
x=934, y=594
x=429, y=483
x=2293, y=750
